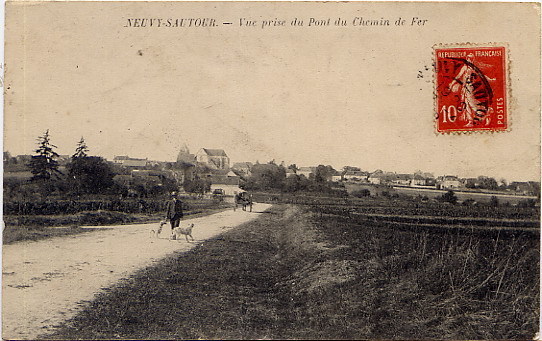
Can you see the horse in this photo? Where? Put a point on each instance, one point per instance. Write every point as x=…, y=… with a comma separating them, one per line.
x=244, y=199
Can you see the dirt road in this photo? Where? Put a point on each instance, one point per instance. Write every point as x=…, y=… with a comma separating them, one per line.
x=48, y=281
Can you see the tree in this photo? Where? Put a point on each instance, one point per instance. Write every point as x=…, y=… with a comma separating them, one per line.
x=487, y=182
x=471, y=183
x=494, y=201
x=197, y=185
x=323, y=173
x=295, y=183
x=449, y=197
x=293, y=167
x=43, y=165
x=266, y=176
x=81, y=150
x=350, y=169
x=92, y=173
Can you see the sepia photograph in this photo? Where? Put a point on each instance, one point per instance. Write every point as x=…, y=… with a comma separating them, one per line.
x=271, y=170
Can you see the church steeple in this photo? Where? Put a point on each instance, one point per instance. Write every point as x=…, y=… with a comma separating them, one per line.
x=184, y=149
x=184, y=154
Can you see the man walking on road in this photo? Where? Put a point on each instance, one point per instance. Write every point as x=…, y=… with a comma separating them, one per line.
x=174, y=211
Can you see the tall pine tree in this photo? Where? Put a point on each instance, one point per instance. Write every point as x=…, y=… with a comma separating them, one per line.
x=43, y=165
x=81, y=150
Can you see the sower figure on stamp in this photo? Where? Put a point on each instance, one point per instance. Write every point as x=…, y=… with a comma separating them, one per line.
x=470, y=82
x=174, y=211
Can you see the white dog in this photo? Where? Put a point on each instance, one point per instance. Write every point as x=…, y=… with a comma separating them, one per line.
x=156, y=232
x=179, y=231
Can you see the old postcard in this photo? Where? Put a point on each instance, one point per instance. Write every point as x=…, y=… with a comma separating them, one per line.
x=271, y=170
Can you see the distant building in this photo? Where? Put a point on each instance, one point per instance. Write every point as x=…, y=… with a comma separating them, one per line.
x=448, y=182
x=213, y=158
x=242, y=168
x=336, y=178
x=306, y=171
x=355, y=175
x=402, y=179
x=127, y=161
x=376, y=178
x=228, y=182
x=290, y=172
x=418, y=180
x=185, y=156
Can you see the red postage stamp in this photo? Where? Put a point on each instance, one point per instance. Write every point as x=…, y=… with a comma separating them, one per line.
x=471, y=89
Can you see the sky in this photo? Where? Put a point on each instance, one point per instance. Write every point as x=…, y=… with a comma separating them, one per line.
x=358, y=96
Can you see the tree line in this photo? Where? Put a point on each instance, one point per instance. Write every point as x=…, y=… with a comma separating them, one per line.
x=271, y=176
x=83, y=174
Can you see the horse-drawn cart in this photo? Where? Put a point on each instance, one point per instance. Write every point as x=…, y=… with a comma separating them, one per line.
x=244, y=200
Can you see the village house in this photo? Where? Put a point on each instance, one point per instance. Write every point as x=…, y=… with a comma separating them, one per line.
x=352, y=175
x=306, y=171
x=448, y=182
x=401, y=179
x=127, y=161
x=337, y=177
x=242, y=168
x=418, y=180
x=213, y=158
x=376, y=178
x=150, y=176
x=228, y=182
x=290, y=172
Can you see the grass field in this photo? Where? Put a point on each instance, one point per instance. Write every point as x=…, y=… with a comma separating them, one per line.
x=301, y=272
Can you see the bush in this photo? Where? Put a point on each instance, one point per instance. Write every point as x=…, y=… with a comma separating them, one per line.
x=449, y=197
x=494, y=201
x=469, y=202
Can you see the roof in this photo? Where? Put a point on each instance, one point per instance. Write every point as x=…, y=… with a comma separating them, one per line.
x=403, y=176
x=215, y=152
x=450, y=178
x=224, y=180
x=356, y=173
x=123, y=157
x=242, y=165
